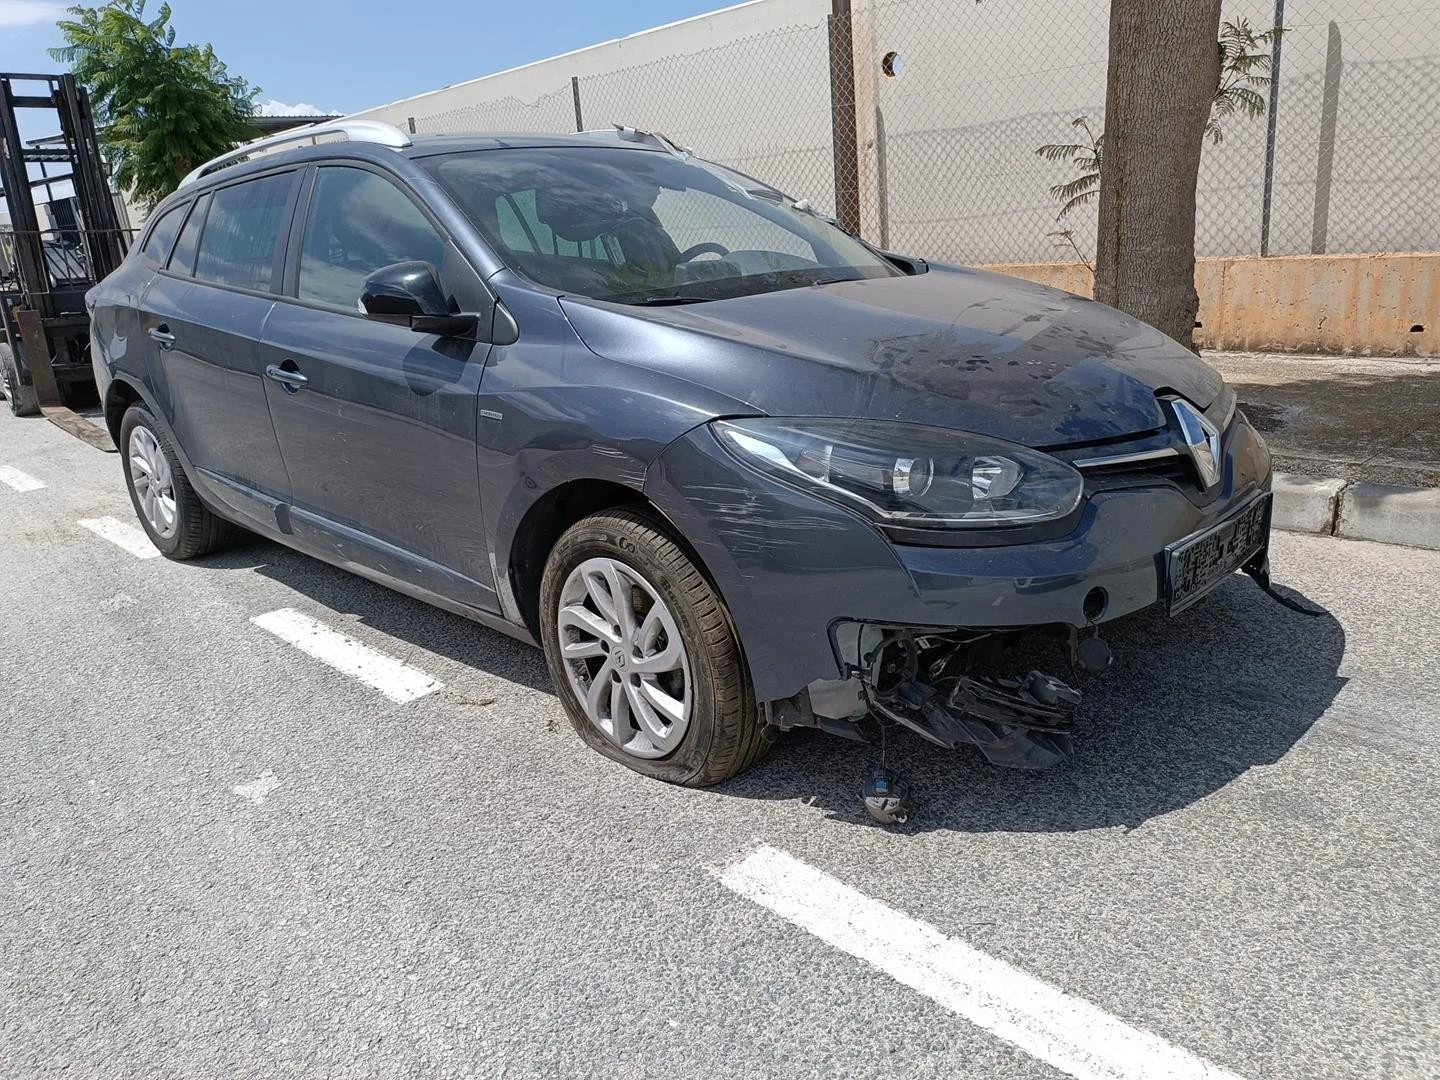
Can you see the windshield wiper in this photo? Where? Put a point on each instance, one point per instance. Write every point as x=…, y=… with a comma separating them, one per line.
x=669, y=301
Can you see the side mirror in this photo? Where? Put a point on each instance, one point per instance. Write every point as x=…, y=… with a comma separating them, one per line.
x=409, y=294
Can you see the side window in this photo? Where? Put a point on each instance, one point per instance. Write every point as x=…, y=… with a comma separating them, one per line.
x=358, y=222
x=157, y=244
x=182, y=259
x=242, y=232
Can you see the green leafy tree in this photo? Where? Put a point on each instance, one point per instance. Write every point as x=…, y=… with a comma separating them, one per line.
x=163, y=108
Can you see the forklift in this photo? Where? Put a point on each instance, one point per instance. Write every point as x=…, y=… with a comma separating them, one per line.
x=45, y=272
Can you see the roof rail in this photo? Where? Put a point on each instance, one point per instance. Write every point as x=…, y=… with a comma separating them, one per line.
x=639, y=135
x=370, y=131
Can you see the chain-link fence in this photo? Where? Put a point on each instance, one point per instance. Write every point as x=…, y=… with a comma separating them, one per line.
x=918, y=122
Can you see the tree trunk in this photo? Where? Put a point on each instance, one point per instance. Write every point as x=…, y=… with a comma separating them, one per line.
x=1164, y=71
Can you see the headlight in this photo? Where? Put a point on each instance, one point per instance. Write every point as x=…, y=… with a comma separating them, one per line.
x=906, y=474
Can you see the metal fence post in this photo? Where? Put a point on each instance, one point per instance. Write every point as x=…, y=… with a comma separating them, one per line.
x=575, y=93
x=843, y=135
x=1269, y=197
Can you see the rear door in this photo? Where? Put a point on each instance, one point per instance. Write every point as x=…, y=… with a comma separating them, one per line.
x=377, y=423
x=115, y=318
x=205, y=314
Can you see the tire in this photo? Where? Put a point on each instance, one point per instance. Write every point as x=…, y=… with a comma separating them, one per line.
x=23, y=400
x=194, y=529
x=722, y=734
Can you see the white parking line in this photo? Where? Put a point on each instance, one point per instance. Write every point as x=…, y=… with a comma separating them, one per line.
x=1044, y=1021
x=20, y=481
x=395, y=679
x=129, y=537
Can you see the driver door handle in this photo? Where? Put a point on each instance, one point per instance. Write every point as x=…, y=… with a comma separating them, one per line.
x=286, y=377
x=162, y=334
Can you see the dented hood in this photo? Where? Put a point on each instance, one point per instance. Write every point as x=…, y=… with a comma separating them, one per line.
x=954, y=348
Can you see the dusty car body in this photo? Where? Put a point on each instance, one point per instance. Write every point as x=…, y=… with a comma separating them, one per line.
x=554, y=407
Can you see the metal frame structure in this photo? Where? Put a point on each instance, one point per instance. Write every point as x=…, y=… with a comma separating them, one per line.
x=42, y=303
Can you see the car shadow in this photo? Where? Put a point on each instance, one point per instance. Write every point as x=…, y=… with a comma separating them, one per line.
x=389, y=612
x=1191, y=704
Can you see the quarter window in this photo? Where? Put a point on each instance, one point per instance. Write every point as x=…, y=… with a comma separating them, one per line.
x=242, y=232
x=358, y=222
x=157, y=244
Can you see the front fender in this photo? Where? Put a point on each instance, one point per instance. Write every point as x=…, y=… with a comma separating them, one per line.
x=787, y=564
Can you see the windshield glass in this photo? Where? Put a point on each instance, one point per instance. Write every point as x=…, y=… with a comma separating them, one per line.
x=638, y=226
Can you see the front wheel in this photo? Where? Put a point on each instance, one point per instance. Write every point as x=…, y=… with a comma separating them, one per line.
x=643, y=654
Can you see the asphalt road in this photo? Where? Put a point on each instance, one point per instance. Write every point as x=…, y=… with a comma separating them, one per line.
x=221, y=857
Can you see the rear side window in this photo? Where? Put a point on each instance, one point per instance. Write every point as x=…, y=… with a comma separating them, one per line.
x=357, y=223
x=182, y=259
x=242, y=232
x=157, y=244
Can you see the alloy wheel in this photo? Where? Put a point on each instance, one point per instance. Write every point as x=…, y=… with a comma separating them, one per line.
x=624, y=658
x=153, y=482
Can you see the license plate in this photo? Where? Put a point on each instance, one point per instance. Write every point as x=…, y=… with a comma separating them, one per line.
x=1199, y=564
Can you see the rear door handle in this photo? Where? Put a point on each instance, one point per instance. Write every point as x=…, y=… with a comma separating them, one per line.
x=290, y=379
x=162, y=334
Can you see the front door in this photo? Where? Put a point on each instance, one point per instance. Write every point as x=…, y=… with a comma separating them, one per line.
x=376, y=422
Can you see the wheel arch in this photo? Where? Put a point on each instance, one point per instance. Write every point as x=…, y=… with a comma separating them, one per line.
x=119, y=396
x=557, y=510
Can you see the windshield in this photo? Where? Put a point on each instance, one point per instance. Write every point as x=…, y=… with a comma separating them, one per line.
x=638, y=226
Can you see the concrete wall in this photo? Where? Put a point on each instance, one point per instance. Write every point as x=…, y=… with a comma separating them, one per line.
x=1362, y=304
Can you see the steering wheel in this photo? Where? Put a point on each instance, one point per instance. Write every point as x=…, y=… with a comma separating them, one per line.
x=706, y=248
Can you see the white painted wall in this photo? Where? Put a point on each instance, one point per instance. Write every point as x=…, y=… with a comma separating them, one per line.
x=948, y=146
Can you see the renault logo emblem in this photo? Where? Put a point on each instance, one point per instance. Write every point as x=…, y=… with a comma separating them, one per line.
x=1202, y=441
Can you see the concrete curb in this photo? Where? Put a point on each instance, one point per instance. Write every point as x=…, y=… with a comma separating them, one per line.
x=1408, y=516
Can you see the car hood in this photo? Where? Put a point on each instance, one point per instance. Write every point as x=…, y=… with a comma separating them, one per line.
x=955, y=348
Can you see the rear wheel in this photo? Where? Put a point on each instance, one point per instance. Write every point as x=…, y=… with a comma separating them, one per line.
x=22, y=399
x=643, y=654
x=173, y=516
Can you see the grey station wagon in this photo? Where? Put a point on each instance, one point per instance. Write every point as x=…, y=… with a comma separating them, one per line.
x=732, y=468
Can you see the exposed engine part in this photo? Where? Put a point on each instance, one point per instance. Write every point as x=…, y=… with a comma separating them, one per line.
x=1019, y=723
x=1258, y=569
x=886, y=796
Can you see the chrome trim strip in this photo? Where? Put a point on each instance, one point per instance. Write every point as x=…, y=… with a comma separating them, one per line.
x=1126, y=459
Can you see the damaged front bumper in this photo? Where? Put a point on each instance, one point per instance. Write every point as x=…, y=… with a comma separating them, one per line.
x=819, y=597
x=935, y=684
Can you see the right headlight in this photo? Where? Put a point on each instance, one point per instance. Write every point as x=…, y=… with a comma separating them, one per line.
x=907, y=474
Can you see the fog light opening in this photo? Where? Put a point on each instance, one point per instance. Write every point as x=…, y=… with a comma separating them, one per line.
x=1096, y=601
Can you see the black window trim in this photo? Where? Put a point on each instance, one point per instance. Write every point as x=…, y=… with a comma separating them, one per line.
x=295, y=241
x=154, y=223
x=287, y=219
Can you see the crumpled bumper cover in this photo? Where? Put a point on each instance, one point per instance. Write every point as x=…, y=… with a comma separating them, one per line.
x=790, y=565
